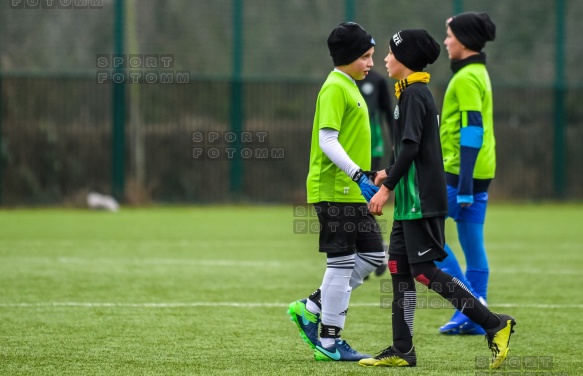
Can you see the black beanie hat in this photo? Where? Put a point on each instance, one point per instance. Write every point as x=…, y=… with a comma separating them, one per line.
x=472, y=29
x=347, y=42
x=414, y=48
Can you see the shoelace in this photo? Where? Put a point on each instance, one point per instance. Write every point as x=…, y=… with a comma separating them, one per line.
x=347, y=347
x=386, y=353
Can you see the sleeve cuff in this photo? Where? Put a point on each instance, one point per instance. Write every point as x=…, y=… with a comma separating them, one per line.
x=465, y=199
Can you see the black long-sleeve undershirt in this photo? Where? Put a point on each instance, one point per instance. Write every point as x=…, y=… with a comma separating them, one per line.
x=407, y=155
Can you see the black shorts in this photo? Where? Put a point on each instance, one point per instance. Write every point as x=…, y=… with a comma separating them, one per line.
x=347, y=228
x=419, y=239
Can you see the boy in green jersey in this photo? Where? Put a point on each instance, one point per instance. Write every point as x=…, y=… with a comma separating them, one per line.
x=417, y=179
x=339, y=189
x=469, y=153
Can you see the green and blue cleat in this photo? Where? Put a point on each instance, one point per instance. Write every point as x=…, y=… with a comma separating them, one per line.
x=340, y=351
x=306, y=321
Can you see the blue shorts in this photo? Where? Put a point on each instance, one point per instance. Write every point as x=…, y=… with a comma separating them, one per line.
x=475, y=213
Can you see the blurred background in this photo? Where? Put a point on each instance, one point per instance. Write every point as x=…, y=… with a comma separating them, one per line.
x=190, y=101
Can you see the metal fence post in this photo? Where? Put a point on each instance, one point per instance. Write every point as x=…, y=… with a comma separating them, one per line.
x=1, y=146
x=118, y=109
x=458, y=6
x=349, y=10
x=560, y=147
x=237, y=97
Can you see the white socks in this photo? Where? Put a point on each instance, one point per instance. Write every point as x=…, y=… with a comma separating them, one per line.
x=365, y=263
x=336, y=290
x=342, y=275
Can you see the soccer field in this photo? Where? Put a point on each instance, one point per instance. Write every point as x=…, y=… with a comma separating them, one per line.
x=204, y=291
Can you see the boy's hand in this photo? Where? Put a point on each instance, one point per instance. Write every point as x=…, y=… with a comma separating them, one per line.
x=375, y=205
x=367, y=188
x=380, y=176
x=371, y=174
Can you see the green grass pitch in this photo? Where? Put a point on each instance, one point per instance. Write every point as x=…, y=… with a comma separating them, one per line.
x=204, y=291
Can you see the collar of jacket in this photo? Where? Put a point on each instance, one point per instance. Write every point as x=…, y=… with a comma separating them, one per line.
x=459, y=64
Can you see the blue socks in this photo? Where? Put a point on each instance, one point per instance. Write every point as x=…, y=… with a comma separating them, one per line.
x=451, y=266
x=471, y=236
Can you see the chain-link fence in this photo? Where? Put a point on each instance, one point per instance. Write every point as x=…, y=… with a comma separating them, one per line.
x=198, y=101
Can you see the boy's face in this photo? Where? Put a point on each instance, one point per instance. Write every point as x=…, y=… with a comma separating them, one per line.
x=359, y=68
x=454, y=47
x=395, y=69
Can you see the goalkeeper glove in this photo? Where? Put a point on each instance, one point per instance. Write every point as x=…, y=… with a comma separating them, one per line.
x=367, y=188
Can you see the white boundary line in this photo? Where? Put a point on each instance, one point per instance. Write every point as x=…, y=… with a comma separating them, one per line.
x=228, y=263
x=242, y=305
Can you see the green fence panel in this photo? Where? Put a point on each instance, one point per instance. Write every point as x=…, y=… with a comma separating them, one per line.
x=220, y=96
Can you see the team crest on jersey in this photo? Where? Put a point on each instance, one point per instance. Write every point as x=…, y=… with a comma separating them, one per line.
x=396, y=114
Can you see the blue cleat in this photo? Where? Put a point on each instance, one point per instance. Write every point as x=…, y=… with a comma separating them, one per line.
x=461, y=324
x=340, y=351
x=306, y=321
x=471, y=328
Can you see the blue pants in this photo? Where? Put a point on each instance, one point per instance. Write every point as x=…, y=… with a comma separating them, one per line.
x=470, y=227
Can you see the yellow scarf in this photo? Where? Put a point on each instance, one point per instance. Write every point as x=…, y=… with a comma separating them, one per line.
x=412, y=78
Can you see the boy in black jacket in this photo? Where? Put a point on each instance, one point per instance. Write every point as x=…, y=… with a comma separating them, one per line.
x=417, y=179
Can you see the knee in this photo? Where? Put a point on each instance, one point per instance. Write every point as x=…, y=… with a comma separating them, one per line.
x=398, y=265
x=424, y=272
x=375, y=259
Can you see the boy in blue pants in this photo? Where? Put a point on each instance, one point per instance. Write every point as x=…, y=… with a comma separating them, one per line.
x=469, y=155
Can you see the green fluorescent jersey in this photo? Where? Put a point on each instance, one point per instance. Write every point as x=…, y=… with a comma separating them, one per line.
x=340, y=106
x=468, y=90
